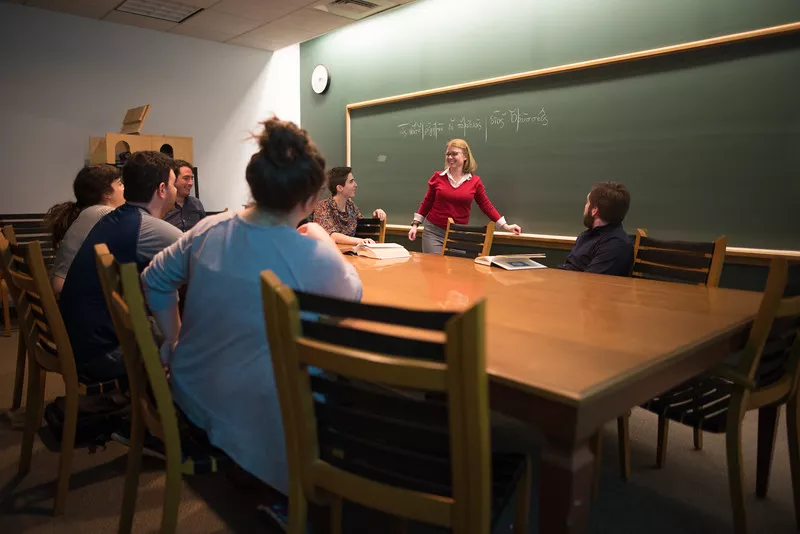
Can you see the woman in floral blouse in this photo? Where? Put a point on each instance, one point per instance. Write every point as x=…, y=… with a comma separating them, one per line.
x=339, y=214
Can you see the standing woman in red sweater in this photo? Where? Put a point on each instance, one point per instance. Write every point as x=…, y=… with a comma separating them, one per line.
x=450, y=194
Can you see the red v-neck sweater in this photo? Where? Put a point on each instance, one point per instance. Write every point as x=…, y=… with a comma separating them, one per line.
x=443, y=200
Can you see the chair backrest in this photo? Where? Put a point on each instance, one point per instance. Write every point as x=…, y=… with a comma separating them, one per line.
x=395, y=414
x=679, y=261
x=372, y=228
x=467, y=241
x=772, y=352
x=39, y=316
x=149, y=388
x=31, y=227
x=8, y=237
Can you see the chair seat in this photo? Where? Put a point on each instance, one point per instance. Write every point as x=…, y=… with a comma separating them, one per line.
x=702, y=402
x=507, y=470
x=699, y=403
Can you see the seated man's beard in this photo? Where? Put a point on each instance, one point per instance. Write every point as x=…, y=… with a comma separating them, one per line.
x=588, y=220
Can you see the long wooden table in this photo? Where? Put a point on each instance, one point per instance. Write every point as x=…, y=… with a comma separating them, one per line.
x=567, y=351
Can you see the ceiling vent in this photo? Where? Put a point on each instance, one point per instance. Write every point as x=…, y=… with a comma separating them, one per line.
x=355, y=9
x=159, y=9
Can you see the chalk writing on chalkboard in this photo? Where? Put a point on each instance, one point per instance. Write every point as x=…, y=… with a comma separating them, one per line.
x=498, y=119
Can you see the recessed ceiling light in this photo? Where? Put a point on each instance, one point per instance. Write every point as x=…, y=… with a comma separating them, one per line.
x=159, y=9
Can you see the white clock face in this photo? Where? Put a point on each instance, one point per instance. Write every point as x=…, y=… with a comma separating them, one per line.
x=319, y=79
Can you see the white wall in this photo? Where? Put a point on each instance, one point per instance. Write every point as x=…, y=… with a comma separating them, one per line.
x=67, y=78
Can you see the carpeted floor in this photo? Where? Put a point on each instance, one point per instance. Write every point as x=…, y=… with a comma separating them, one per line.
x=689, y=496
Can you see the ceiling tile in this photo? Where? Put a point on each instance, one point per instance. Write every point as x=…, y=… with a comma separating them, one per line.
x=260, y=10
x=210, y=19
x=205, y=4
x=95, y=9
x=272, y=37
x=140, y=21
x=202, y=33
x=313, y=20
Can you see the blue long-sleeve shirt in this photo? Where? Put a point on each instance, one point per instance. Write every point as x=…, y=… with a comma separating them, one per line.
x=221, y=367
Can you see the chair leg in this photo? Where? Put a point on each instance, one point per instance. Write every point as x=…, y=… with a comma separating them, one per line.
x=698, y=438
x=336, y=516
x=624, y=444
x=298, y=510
x=172, y=491
x=793, y=431
x=733, y=439
x=19, y=375
x=661, y=448
x=132, y=475
x=6, y=314
x=596, y=446
x=767, y=429
x=67, y=448
x=33, y=417
x=522, y=512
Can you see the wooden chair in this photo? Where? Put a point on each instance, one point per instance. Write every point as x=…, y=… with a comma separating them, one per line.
x=398, y=424
x=372, y=228
x=763, y=377
x=49, y=349
x=187, y=449
x=678, y=261
x=467, y=241
x=10, y=290
x=671, y=261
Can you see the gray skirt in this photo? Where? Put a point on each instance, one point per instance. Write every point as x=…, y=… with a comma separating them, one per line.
x=432, y=238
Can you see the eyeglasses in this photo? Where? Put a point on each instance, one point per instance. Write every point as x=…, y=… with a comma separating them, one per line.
x=452, y=154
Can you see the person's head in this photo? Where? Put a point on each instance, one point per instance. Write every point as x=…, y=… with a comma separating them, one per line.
x=150, y=180
x=606, y=203
x=94, y=185
x=184, y=178
x=287, y=173
x=457, y=154
x=341, y=182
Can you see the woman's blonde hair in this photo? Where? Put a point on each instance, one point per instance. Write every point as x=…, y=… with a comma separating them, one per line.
x=470, y=165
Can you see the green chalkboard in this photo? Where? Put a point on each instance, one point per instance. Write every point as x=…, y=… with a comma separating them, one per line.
x=708, y=142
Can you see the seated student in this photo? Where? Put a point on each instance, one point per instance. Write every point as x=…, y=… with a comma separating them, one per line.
x=217, y=351
x=98, y=190
x=134, y=232
x=187, y=210
x=604, y=248
x=339, y=215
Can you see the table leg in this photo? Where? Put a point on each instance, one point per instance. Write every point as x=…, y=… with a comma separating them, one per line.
x=565, y=489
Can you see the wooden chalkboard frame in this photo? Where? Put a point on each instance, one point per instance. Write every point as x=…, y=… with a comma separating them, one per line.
x=747, y=254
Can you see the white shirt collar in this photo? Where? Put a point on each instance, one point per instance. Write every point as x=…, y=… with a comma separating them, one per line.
x=453, y=182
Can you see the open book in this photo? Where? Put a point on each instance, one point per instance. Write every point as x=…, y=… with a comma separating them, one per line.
x=512, y=262
x=381, y=251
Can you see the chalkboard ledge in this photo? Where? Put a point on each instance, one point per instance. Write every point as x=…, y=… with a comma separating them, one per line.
x=740, y=255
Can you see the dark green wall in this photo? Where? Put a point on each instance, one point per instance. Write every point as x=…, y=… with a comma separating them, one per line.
x=433, y=43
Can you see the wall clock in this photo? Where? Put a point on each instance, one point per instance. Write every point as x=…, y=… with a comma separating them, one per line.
x=320, y=79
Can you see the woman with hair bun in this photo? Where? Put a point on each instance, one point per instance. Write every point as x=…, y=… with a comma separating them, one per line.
x=98, y=190
x=217, y=351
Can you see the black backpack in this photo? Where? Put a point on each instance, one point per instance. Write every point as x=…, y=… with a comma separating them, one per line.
x=99, y=416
